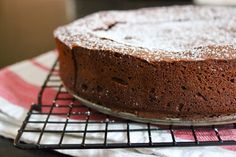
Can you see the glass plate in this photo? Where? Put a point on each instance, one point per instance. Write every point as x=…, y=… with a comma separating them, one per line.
x=224, y=119
x=168, y=121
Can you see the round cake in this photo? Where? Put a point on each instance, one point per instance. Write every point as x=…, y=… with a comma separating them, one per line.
x=163, y=62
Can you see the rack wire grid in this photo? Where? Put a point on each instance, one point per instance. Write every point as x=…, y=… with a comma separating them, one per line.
x=90, y=129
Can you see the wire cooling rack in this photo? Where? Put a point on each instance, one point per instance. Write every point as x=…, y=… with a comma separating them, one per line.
x=91, y=129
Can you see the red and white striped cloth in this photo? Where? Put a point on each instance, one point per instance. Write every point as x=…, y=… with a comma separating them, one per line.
x=19, y=86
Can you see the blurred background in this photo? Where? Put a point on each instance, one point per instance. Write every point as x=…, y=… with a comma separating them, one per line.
x=26, y=26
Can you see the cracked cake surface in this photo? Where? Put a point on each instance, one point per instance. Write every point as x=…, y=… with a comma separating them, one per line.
x=178, y=32
x=162, y=62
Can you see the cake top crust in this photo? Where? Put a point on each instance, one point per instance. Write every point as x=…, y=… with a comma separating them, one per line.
x=155, y=34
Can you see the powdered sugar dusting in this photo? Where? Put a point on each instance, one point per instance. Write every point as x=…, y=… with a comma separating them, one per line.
x=153, y=34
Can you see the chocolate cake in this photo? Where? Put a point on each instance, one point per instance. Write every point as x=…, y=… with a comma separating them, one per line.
x=164, y=62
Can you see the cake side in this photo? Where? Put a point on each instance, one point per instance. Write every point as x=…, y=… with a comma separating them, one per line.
x=67, y=64
x=182, y=89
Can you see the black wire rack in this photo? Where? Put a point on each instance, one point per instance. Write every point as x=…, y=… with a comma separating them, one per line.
x=77, y=122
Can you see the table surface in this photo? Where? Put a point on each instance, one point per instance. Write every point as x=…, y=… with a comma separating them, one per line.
x=7, y=149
